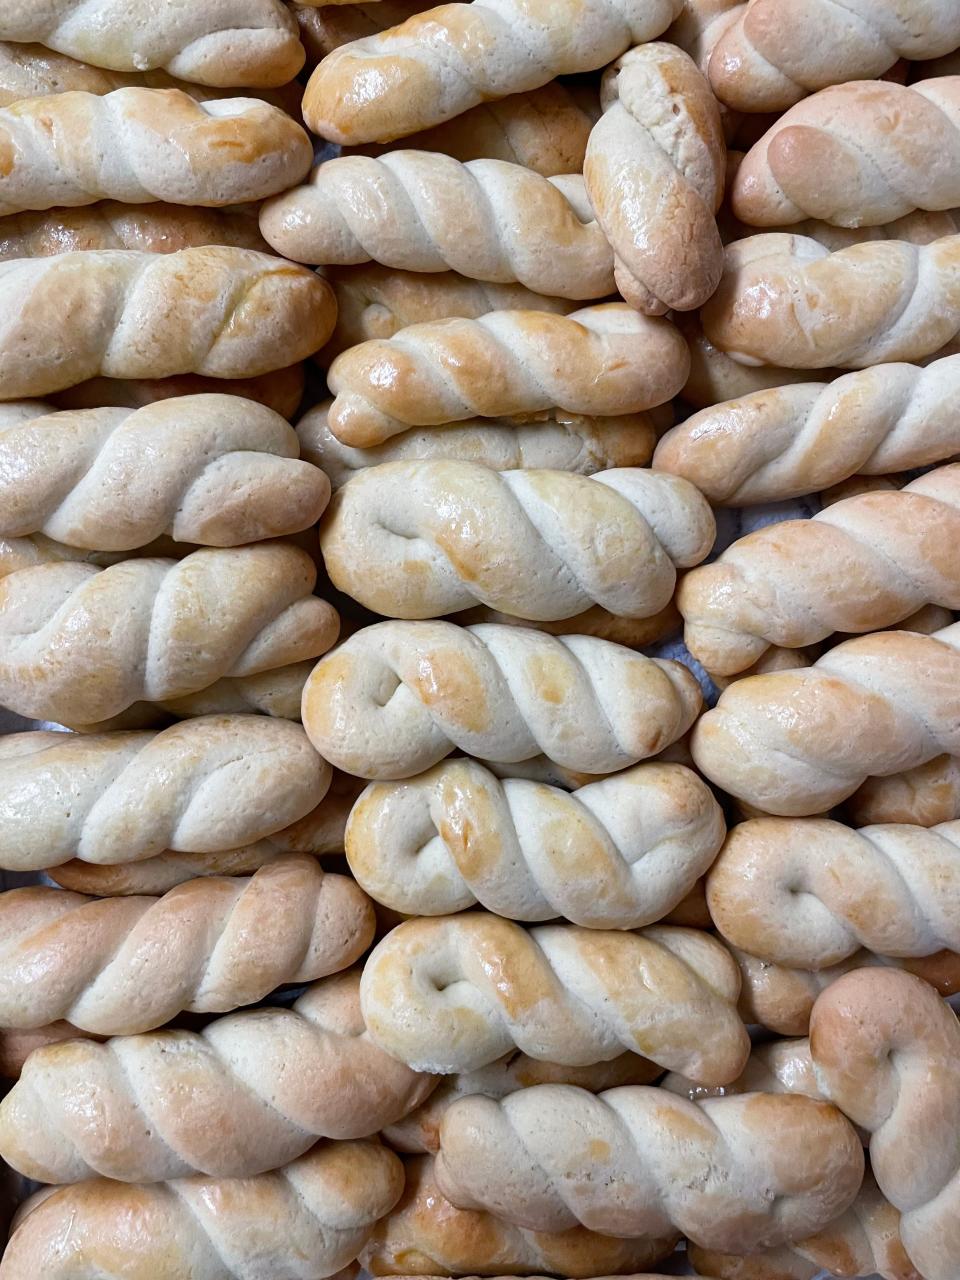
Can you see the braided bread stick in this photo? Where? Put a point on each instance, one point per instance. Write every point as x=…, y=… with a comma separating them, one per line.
x=560, y=442
x=545, y=130
x=600, y=360
x=423, y=211
x=117, y=966
x=741, y=1172
x=864, y=1241
x=210, y=469
x=924, y=796
x=715, y=377
x=798, y=742
x=150, y=228
x=878, y=151
x=426, y=1234
x=885, y=1048
x=771, y=54
x=557, y=992
x=306, y=1220
x=280, y=390
x=654, y=171
x=781, y=999
x=779, y=1066
x=235, y=42
x=326, y=27
x=137, y=145
x=376, y=302
x=204, y=785
x=253, y=1090
x=788, y=300
x=809, y=893
x=79, y=644
x=803, y=438
x=419, y=539
x=219, y=311
x=439, y=63
x=616, y=854
x=397, y=697
x=17, y=1046
x=861, y=564
x=420, y=1130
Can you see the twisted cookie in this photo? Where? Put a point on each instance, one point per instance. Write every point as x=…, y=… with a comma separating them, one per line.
x=714, y=376
x=235, y=42
x=139, y=145
x=150, y=228
x=861, y=564
x=788, y=300
x=439, y=63
x=600, y=360
x=426, y=1234
x=855, y=154
x=325, y=27
x=798, y=439
x=798, y=742
x=808, y=892
x=457, y=992
x=422, y=211
x=926, y=796
x=376, y=302
x=545, y=130
x=252, y=1091
x=79, y=644
x=420, y=1130
x=864, y=1241
x=742, y=1172
x=397, y=697
x=211, y=469
x=560, y=442
x=116, y=966
x=886, y=1050
x=772, y=54
x=308, y=1219
x=419, y=539
x=616, y=854
x=201, y=786
x=218, y=311
x=654, y=170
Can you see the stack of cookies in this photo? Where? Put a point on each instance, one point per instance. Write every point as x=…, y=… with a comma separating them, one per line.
x=479, y=545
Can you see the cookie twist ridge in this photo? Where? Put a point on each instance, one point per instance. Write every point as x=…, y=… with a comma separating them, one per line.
x=79, y=644
x=869, y=170
x=599, y=360
x=116, y=966
x=221, y=471
x=864, y=1241
x=138, y=145
x=215, y=783
x=798, y=742
x=806, y=437
x=787, y=300
x=220, y=311
x=312, y=1216
x=862, y=564
x=239, y=42
x=150, y=228
x=615, y=854
x=729, y=1172
x=397, y=697
x=557, y=992
x=654, y=170
x=422, y=211
x=771, y=55
x=558, y=442
x=886, y=1049
x=252, y=1091
x=427, y=1232
x=419, y=539
x=440, y=63
x=808, y=892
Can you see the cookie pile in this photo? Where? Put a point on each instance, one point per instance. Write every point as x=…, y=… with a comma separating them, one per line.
x=379, y=388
